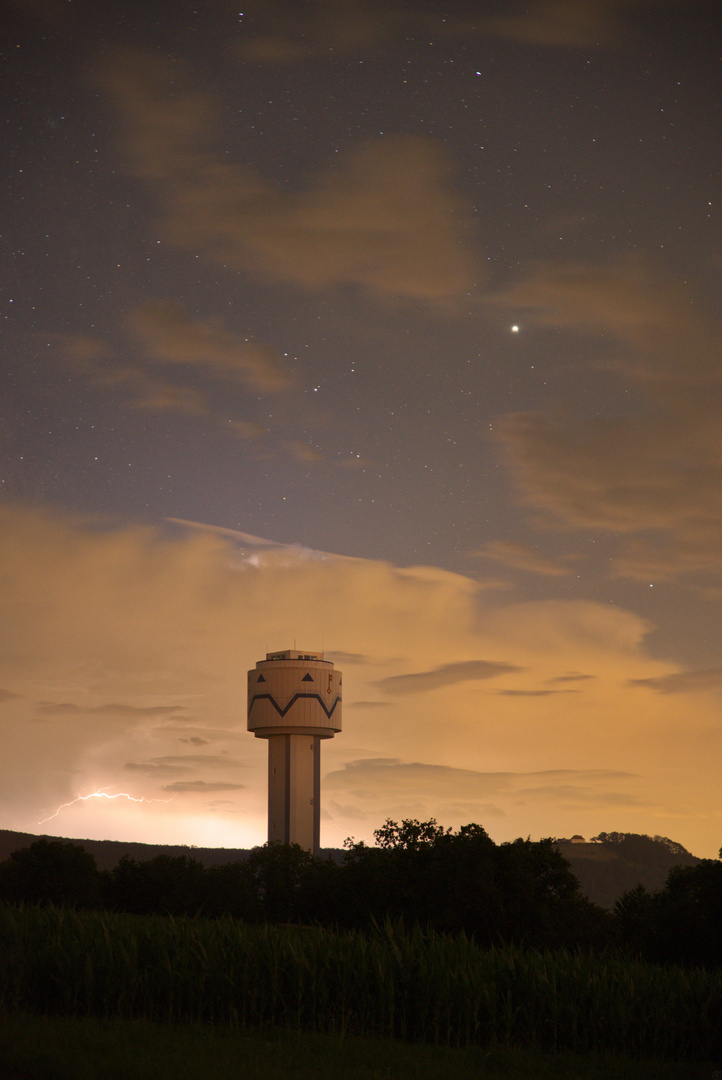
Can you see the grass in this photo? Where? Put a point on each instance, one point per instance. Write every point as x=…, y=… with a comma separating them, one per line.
x=442, y=993
x=70, y=1048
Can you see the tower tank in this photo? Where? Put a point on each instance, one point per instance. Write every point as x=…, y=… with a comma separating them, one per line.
x=294, y=701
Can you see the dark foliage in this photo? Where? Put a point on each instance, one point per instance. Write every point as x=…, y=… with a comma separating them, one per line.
x=521, y=892
x=418, y=873
x=682, y=923
x=176, y=886
x=51, y=872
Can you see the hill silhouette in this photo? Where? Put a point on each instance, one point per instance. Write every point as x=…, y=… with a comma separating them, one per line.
x=606, y=867
x=108, y=853
x=612, y=864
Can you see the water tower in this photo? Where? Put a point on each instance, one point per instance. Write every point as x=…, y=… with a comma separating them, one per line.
x=294, y=701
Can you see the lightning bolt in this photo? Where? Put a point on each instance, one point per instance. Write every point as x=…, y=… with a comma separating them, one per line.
x=101, y=793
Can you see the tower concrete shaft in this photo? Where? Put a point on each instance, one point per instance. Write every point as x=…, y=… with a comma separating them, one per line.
x=294, y=701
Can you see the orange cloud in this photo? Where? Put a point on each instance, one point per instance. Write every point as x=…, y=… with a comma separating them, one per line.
x=418, y=682
x=384, y=218
x=518, y=556
x=571, y=23
x=707, y=680
x=281, y=32
x=168, y=335
x=123, y=633
x=652, y=475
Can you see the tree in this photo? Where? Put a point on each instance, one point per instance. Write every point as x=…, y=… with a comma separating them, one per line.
x=450, y=881
x=51, y=872
x=679, y=924
x=165, y=884
x=278, y=877
x=410, y=834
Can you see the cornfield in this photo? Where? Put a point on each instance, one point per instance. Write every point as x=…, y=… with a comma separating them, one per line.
x=407, y=984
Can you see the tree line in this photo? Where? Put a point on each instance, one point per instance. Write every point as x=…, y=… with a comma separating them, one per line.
x=418, y=872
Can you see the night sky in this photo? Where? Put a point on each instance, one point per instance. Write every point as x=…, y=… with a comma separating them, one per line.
x=382, y=327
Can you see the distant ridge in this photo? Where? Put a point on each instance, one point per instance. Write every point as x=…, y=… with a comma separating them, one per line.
x=614, y=863
x=108, y=853
x=606, y=868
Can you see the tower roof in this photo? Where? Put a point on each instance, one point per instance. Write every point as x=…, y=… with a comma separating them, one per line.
x=294, y=654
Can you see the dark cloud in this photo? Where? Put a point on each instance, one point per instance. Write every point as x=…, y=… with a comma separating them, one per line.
x=7, y=695
x=533, y=693
x=581, y=796
x=173, y=765
x=446, y=675
x=367, y=705
x=518, y=556
x=201, y=786
x=684, y=682
x=156, y=768
x=49, y=708
x=214, y=761
x=194, y=740
x=347, y=657
x=573, y=676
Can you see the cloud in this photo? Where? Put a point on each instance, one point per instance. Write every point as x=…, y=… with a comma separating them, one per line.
x=125, y=630
x=301, y=451
x=339, y=657
x=201, y=787
x=245, y=429
x=279, y=32
x=683, y=682
x=156, y=768
x=368, y=705
x=652, y=476
x=93, y=360
x=48, y=708
x=284, y=32
x=446, y=675
x=583, y=24
x=580, y=795
x=532, y=693
x=182, y=763
x=567, y=23
x=384, y=217
x=477, y=793
x=169, y=336
x=520, y=557
x=573, y=676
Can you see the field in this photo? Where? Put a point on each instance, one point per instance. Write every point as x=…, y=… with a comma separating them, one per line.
x=67, y=1048
x=253, y=981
